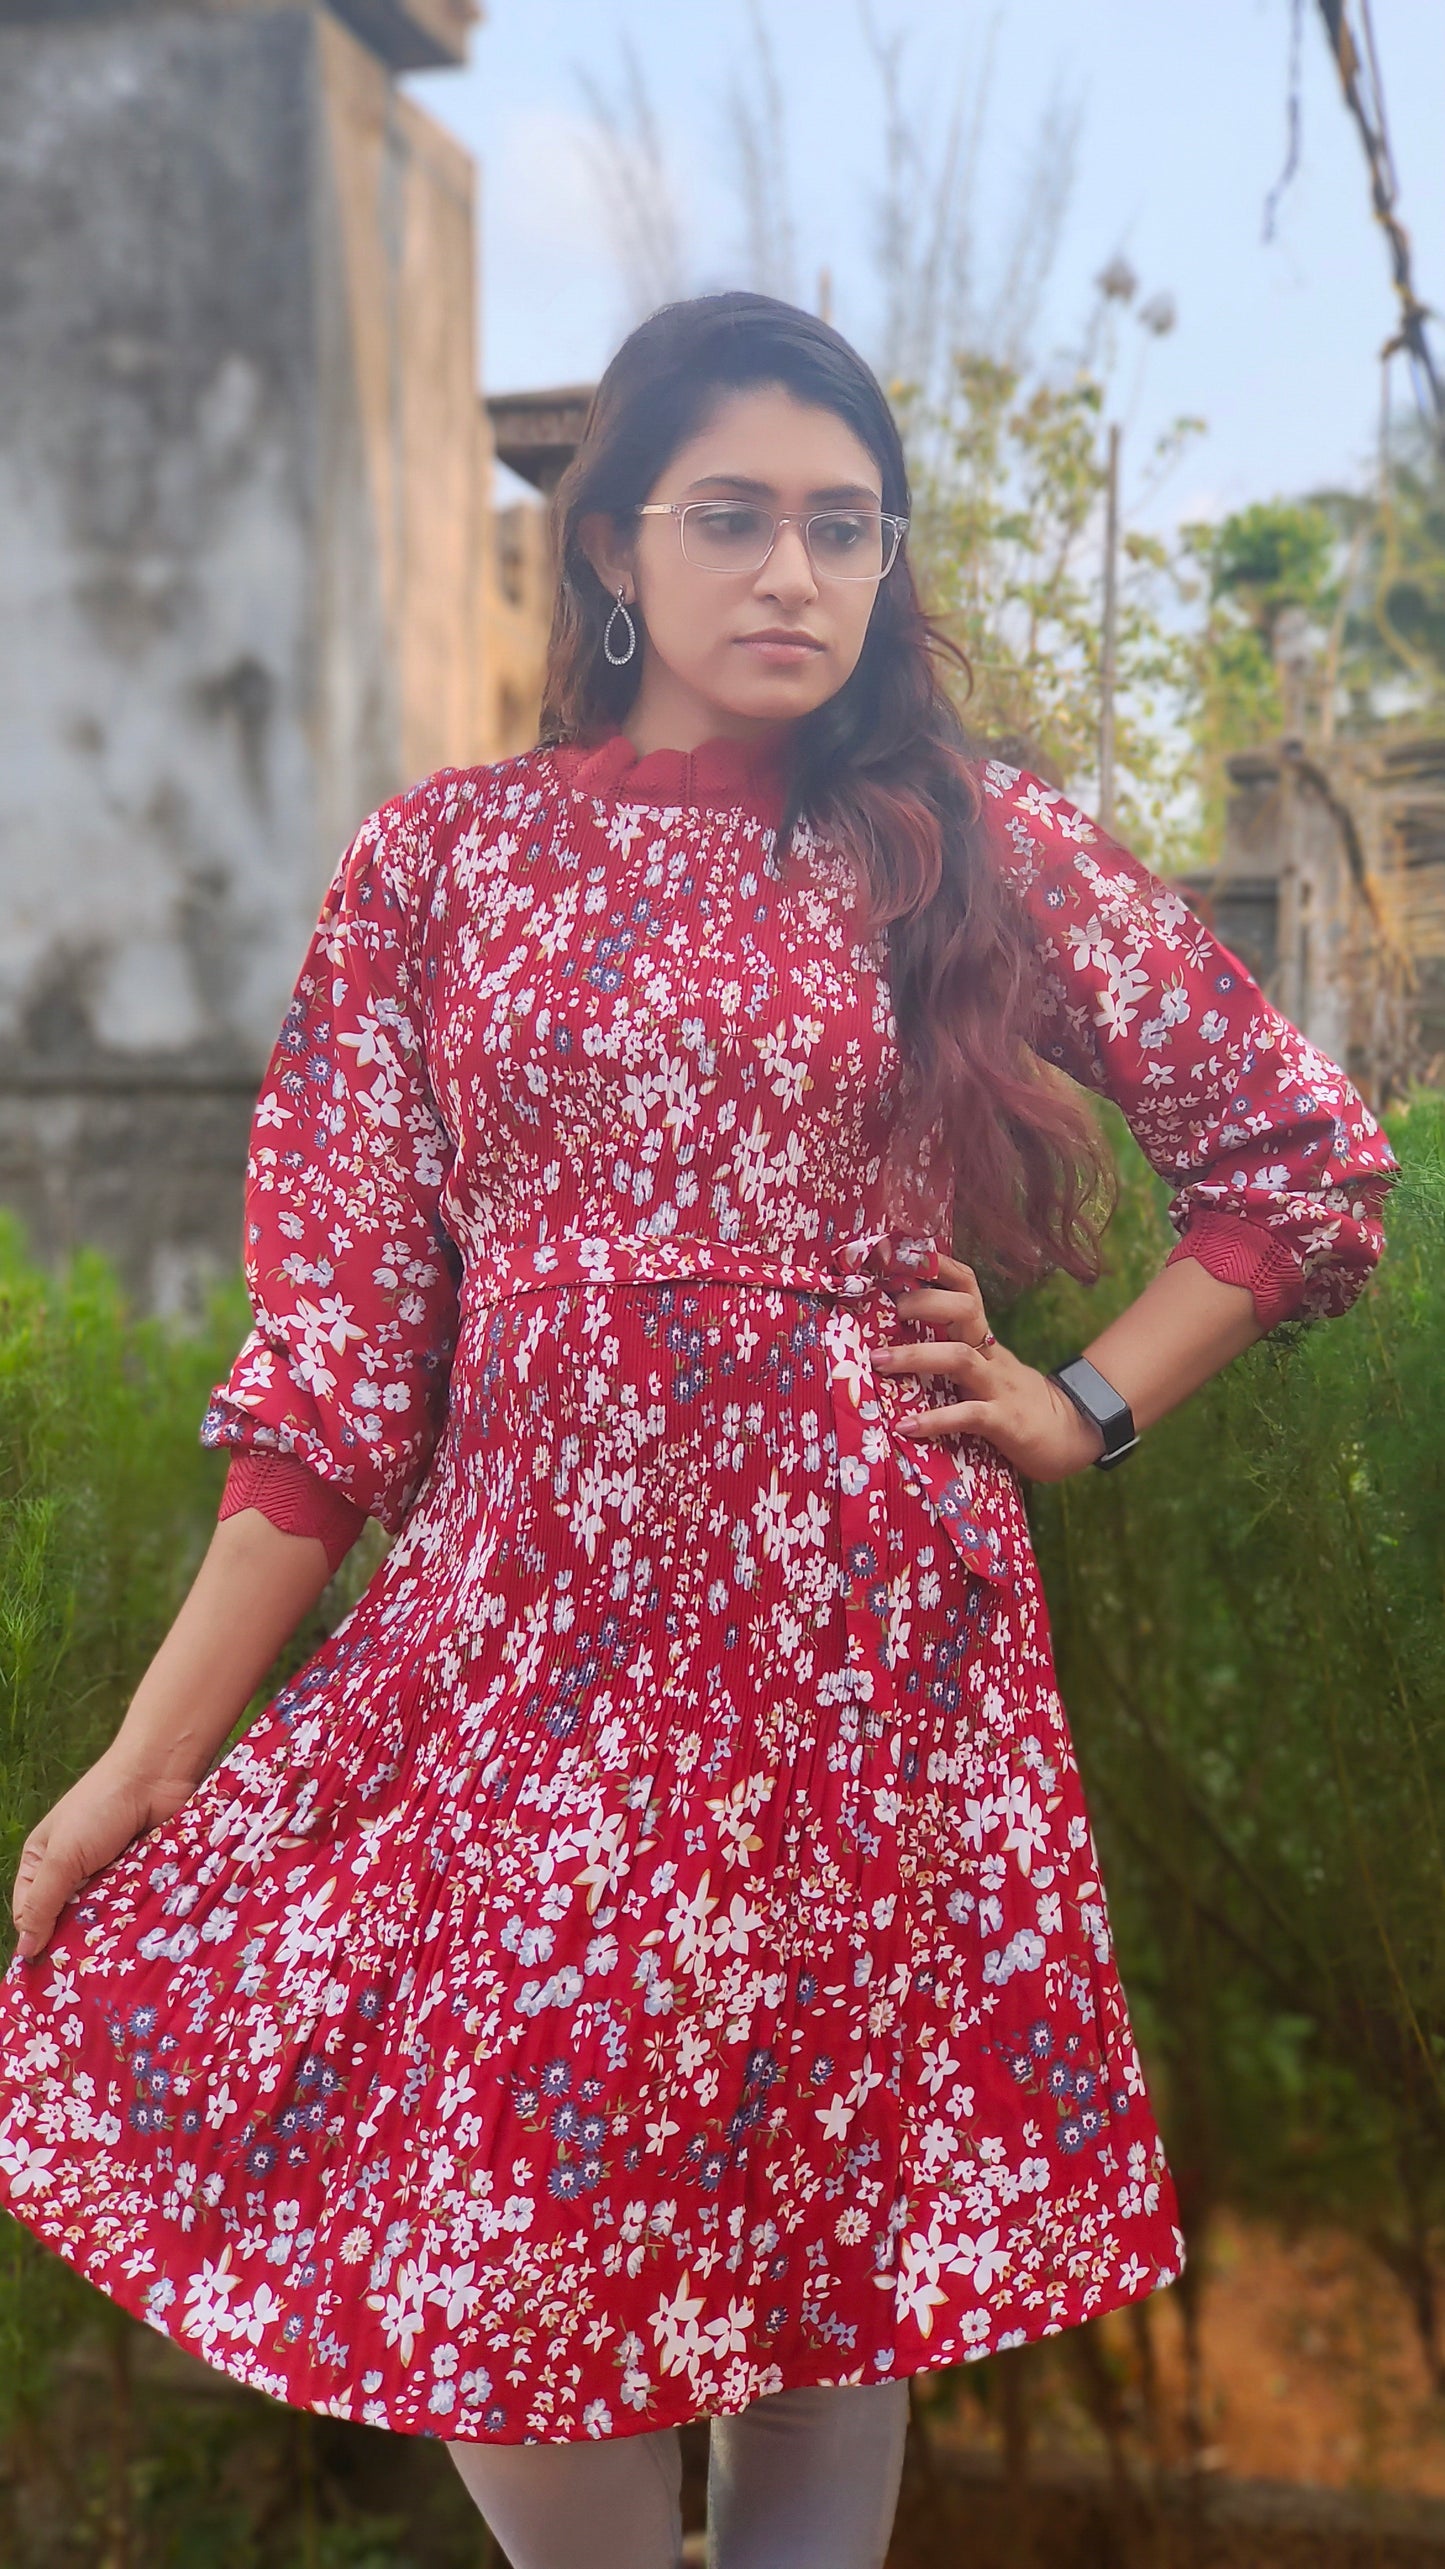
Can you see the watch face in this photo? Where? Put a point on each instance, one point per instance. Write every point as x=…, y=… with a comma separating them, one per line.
x=1099, y=1401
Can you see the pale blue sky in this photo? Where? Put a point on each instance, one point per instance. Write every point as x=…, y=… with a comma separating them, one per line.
x=1183, y=135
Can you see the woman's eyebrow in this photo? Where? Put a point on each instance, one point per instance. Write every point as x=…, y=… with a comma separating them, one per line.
x=838, y=494
x=843, y=494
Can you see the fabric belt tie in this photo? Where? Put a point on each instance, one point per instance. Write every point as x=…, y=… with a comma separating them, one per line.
x=974, y=1498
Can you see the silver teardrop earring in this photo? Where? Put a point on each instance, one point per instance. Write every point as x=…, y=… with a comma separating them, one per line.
x=619, y=659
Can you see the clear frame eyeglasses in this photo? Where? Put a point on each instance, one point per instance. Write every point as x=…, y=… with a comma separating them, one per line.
x=736, y=535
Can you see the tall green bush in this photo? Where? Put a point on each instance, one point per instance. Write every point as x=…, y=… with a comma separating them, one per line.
x=106, y=1506
x=1250, y=1626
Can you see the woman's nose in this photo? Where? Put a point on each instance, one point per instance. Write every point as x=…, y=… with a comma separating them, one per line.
x=787, y=572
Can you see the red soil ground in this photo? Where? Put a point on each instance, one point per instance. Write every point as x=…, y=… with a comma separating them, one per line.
x=1313, y=2373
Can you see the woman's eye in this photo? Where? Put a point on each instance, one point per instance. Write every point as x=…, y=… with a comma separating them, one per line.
x=731, y=525
x=841, y=534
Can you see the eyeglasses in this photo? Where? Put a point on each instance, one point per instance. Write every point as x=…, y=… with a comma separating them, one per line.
x=733, y=535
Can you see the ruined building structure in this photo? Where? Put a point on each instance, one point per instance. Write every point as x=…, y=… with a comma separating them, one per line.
x=535, y=434
x=1331, y=887
x=251, y=577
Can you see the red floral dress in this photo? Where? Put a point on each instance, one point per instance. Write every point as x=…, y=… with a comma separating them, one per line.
x=653, y=1954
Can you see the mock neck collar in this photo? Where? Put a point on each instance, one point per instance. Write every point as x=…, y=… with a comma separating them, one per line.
x=722, y=774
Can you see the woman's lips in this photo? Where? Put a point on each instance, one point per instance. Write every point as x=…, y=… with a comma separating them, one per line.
x=781, y=650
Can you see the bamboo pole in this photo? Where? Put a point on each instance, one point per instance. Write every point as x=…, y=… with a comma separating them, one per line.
x=1109, y=652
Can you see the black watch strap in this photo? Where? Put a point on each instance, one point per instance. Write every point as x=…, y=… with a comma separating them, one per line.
x=1104, y=1408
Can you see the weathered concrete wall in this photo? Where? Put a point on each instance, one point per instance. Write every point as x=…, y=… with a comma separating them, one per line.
x=243, y=522
x=402, y=202
x=409, y=35
x=157, y=483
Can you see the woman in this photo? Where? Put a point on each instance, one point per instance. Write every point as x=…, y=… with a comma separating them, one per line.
x=651, y=1962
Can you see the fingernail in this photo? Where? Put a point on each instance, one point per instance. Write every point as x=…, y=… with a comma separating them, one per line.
x=27, y=1946
x=881, y=1355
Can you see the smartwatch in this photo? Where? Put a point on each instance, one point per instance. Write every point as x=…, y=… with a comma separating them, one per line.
x=1104, y=1408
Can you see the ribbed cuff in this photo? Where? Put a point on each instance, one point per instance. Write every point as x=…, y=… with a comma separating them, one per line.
x=294, y=1500
x=1236, y=1253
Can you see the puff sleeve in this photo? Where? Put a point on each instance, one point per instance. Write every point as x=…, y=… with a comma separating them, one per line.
x=1279, y=1171
x=351, y=1273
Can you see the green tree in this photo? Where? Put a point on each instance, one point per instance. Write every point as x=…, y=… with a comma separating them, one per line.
x=1009, y=489
x=1271, y=556
x=1252, y=569
x=1361, y=576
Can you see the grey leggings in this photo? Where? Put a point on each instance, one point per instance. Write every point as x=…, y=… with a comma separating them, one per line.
x=806, y=2479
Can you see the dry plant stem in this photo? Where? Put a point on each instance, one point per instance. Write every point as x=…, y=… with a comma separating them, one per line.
x=119, y=2552
x=922, y=2433
x=1155, y=2550
x=1016, y=2384
x=1094, y=2371
x=1141, y=2329
x=306, y=2475
x=1190, y=2289
x=1412, y=2263
x=920, y=2444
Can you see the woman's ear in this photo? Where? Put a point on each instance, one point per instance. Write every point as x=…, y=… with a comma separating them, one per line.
x=609, y=551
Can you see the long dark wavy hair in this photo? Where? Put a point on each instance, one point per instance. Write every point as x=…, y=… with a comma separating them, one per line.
x=992, y=1136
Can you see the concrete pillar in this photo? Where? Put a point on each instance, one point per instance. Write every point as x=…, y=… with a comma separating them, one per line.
x=244, y=530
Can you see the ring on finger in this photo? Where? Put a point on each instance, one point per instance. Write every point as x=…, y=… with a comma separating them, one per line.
x=982, y=1345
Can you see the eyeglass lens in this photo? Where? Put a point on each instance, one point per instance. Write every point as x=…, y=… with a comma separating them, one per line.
x=843, y=544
